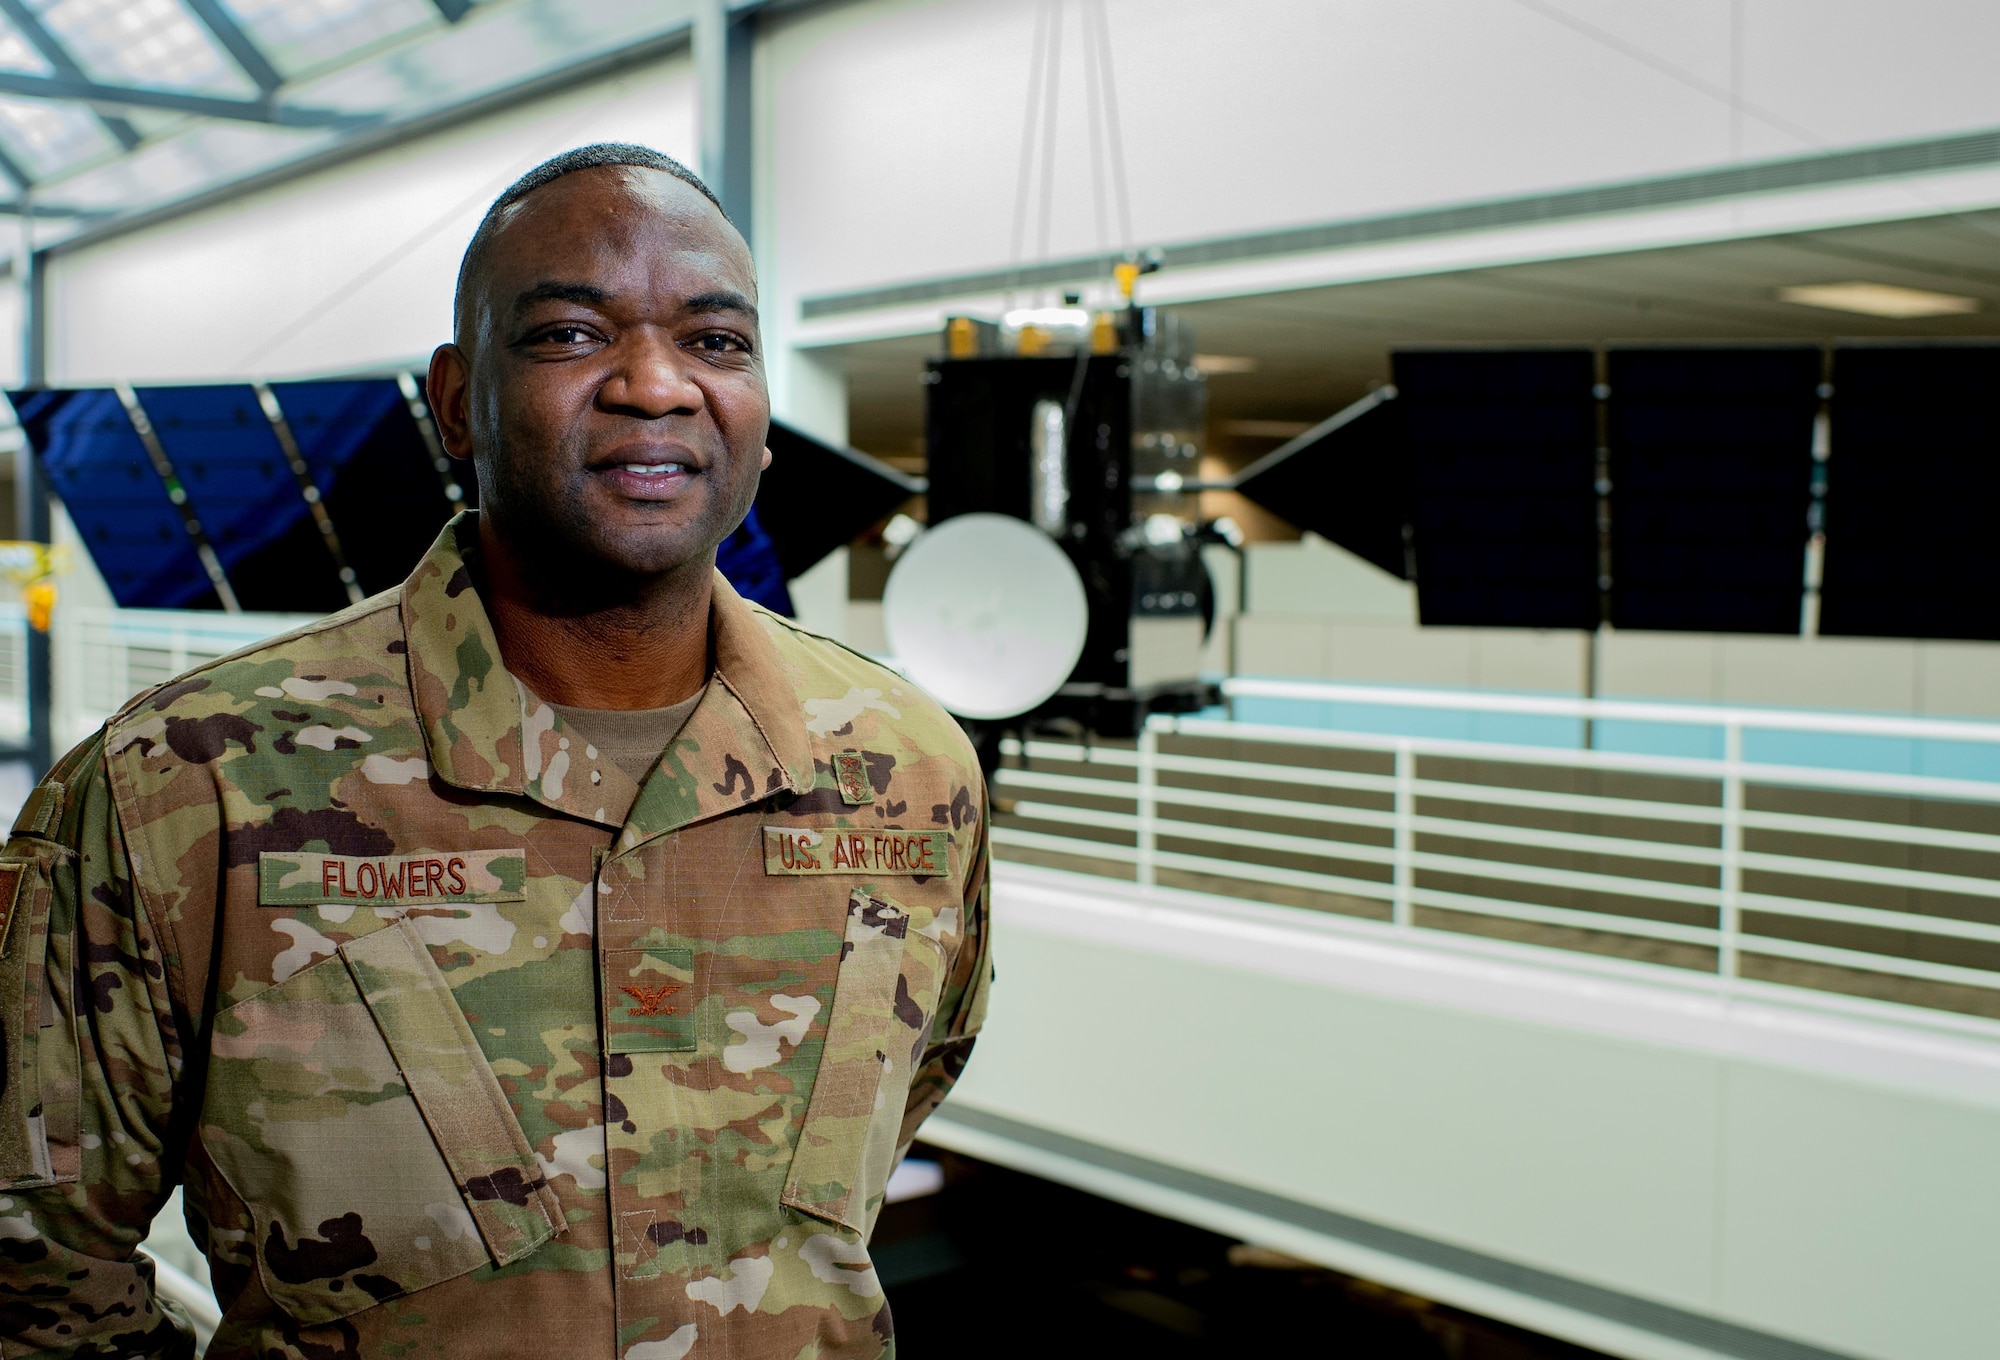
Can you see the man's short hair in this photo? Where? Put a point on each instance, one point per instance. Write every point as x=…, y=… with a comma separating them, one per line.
x=549, y=171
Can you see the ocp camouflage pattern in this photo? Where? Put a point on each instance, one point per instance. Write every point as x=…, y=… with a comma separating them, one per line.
x=464, y=1042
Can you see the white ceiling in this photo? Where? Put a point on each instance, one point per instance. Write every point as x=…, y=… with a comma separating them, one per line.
x=1318, y=349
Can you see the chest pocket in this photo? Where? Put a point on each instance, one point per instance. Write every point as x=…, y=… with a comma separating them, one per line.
x=883, y=1002
x=350, y=1109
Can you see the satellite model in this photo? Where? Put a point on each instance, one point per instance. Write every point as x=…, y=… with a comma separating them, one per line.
x=1063, y=450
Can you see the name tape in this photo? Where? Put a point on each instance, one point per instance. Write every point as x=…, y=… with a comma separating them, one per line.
x=917, y=854
x=303, y=880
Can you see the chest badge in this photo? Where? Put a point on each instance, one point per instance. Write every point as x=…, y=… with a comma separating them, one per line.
x=850, y=771
x=651, y=1000
x=639, y=987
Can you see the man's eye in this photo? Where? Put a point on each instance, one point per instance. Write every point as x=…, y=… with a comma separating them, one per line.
x=719, y=342
x=566, y=335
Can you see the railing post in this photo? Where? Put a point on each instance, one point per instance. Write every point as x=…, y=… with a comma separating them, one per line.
x=1149, y=749
x=1403, y=846
x=1729, y=920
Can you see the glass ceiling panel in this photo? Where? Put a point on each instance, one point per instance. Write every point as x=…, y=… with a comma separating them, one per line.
x=393, y=59
x=144, y=42
x=47, y=137
x=298, y=36
x=16, y=54
x=507, y=46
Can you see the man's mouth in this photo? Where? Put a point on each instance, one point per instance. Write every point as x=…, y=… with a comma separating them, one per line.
x=649, y=481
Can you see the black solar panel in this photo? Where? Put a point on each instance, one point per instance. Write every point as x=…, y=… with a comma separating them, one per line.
x=1711, y=476
x=1503, y=467
x=1912, y=488
x=816, y=497
x=1348, y=483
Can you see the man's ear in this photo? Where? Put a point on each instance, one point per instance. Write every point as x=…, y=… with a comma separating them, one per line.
x=449, y=392
x=765, y=463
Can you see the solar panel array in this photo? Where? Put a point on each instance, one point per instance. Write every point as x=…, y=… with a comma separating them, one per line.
x=304, y=496
x=1679, y=493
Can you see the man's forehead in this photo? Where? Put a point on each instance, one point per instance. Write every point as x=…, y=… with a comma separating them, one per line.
x=607, y=215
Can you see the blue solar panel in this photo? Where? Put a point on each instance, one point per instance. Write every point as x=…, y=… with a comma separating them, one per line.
x=95, y=462
x=244, y=494
x=330, y=421
x=370, y=462
x=748, y=560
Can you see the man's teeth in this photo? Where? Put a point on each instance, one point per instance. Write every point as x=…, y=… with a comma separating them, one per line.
x=654, y=469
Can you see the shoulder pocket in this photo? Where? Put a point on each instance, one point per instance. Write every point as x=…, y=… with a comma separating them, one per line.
x=38, y=1063
x=883, y=1001
x=39, y=1066
x=350, y=1108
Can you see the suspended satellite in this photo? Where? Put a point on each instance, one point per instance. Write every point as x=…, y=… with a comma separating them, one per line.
x=987, y=613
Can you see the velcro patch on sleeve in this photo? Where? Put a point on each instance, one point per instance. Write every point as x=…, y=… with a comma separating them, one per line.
x=12, y=872
x=426, y=878
x=796, y=850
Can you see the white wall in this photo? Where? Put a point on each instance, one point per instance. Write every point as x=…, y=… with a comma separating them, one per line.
x=894, y=126
x=344, y=270
x=1816, y=1171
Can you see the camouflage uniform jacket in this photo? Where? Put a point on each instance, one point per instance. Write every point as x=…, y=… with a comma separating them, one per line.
x=461, y=1042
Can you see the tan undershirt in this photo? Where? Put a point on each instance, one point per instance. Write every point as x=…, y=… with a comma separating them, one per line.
x=633, y=739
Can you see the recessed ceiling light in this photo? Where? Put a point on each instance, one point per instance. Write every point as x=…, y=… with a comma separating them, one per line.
x=1879, y=299
x=1224, y=363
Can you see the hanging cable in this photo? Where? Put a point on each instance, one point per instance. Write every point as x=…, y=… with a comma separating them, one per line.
x=1052, y=94
x=1024, y=181
x=1114, y=137
x=1093, y=103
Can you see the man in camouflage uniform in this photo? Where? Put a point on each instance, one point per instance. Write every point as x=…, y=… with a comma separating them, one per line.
x=468, y=1030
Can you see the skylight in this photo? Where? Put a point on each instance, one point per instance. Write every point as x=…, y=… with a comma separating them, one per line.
x=46, y=137
x=299, y=35
x=17, y=54
x=143, y=42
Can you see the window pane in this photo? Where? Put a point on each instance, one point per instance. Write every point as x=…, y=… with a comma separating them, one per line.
x=17, y=54
x=301, y=35
x=144, y=42
x=46, y=137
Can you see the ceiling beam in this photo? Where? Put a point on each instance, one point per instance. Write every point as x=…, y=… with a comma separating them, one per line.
x=176, y=101
x=17, y=208
x=12, y=169
x=230, y=34
x=63, y=64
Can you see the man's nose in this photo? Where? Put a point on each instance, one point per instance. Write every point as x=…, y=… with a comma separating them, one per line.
x=653, y=379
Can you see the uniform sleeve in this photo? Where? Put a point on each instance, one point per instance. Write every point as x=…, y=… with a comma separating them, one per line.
x=88, y=1144
x=962, y=1008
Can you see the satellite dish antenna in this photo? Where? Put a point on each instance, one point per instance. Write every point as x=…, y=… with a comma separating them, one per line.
x=986, y=613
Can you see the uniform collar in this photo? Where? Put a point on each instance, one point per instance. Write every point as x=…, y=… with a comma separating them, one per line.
x=485, y=732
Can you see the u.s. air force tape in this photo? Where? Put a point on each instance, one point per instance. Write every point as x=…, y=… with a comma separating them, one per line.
x=297, y=879
x=917, y=854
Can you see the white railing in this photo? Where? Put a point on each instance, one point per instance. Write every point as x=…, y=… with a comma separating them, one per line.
x=13, y=674
x=102, y=657
x=1805, y=873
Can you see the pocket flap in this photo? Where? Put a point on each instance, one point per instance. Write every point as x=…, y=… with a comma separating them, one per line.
x=461, y=1100
x=847, y=1143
